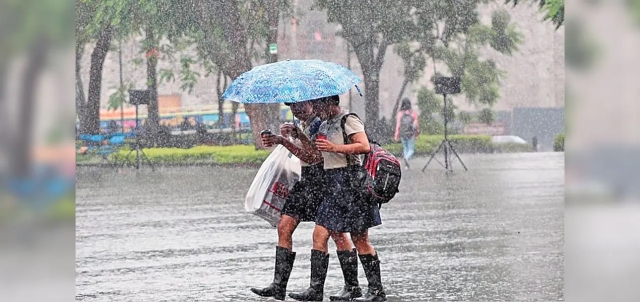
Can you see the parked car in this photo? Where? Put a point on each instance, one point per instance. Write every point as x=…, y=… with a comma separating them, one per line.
x=506, y=139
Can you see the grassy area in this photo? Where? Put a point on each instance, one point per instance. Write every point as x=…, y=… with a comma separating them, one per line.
x=239, y=154
x=243, y=154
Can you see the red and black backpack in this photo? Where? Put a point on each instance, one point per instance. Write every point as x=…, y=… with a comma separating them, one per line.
x=383, y=172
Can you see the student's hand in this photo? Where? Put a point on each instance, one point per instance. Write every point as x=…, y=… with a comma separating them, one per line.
x=269, y=140
x=289, y=130
x=325, y=145
x=396, y=139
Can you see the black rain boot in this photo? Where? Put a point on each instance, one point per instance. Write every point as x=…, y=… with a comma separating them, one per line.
x=371, y=265
x=284, y=264
x=349, y=265
x=319, y=266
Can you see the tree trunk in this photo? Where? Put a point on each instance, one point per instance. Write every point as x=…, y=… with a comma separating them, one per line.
x=81, y=102
x=371, y=73
x=4, y=123
x=92, y=121
x=22, y=145
x=259, y=115
x=232, y=120
x=153, y=117
x=220, y=91
x=272, y=111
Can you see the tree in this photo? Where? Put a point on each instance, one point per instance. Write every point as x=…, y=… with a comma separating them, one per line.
x=370, y=27
x=454, y=40
x=231, y=35
x=486, y=116
x=91, y=28
x=465, y=117
x=553, y=9
x=429, y=104
x=453, y=34
x=36, y=29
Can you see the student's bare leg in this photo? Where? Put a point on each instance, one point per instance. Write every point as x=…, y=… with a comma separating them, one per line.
x=286, y=226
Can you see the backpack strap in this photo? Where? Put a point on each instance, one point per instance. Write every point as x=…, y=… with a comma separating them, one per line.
x=343, y=122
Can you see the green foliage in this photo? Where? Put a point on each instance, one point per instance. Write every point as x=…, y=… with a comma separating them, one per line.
x=241, y=154
x=119, y=97
x=558, y=143
x=486, y=116
x=238, y=154
x=634, y=8
x=427, y=144
x=553, y=9
x=451, y=33
x=512, y=148
x=581, y=50
x=465, y=117
x=188, y=77
x=429, y=104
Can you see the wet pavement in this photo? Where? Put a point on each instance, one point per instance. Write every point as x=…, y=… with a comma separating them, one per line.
x=494, y=233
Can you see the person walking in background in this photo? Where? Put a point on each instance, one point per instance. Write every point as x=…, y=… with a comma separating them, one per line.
x=302, y=204
x=407, y=130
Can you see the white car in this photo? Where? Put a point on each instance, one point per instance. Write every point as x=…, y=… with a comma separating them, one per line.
x=505, y=139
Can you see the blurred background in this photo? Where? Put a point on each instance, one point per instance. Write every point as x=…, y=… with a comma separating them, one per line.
x=602, y=151
x=37, y=162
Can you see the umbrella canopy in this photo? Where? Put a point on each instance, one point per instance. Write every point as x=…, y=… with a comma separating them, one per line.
x=291, y=81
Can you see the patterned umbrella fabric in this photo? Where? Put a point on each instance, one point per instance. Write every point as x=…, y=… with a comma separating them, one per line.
x=291, y=81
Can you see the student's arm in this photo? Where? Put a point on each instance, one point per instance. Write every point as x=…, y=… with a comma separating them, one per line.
x=359, y=145
x=397, y=134
x=310, y=156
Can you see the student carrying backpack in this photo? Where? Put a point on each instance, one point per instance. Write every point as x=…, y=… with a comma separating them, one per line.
x=381, y=171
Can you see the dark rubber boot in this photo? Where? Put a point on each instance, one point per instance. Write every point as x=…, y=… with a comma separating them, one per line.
x=319, y=266
x=371, y=265
x=284, y=264
x=349, y=265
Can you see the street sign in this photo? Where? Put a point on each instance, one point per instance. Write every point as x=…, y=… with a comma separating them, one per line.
x=273, y=49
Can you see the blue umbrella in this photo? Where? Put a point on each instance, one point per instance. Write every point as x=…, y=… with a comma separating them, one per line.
x=291, y=81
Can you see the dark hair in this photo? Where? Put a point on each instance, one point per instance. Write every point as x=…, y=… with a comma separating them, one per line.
x=406, y=104
x=334, y=100
x=331, y=100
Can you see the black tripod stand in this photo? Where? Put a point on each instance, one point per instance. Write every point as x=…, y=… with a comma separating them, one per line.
x=140, y=155
x=138, y=97
x=445, y=86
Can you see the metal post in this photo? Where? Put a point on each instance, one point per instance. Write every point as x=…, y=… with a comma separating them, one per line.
x=446, y=145
x=121, y=84
x=137, y=141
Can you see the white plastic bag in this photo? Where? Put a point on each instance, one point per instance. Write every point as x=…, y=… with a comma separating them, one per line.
x=271, y=186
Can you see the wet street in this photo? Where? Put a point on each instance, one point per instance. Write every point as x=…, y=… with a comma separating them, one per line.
x=494, y=233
